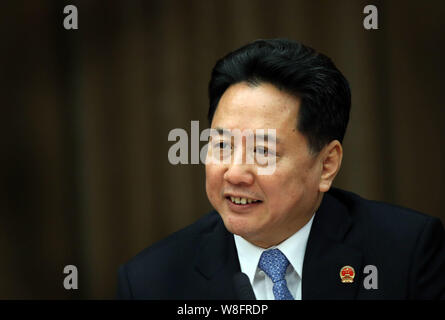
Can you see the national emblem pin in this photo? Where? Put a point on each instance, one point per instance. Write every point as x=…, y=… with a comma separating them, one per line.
x=347, y=274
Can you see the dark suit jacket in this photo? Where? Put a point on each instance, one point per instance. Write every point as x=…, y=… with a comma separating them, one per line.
x=407, y=248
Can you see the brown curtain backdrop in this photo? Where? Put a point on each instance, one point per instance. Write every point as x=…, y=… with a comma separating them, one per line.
x=85, y=178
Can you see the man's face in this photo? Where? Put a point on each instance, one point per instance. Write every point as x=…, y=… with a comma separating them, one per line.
x=289, y=196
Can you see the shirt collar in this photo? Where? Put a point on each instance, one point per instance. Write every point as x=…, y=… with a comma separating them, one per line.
x=293, y=248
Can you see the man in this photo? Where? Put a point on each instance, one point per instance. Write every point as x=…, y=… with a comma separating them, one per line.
x=289, y=231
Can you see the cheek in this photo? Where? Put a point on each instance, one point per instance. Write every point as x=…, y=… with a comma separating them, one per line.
x=285, y=190
x=287, y=196
x=213, y=182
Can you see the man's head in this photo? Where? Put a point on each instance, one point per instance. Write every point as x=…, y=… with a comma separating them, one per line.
x=281, y=85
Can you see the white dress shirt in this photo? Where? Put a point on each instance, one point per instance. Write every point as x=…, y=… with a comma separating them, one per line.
x=293, y=248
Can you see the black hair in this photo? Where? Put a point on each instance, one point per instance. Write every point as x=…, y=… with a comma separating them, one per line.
x=296, y=69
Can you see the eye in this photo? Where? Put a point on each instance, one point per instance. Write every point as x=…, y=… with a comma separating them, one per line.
x=261, y=151
x=221, y=145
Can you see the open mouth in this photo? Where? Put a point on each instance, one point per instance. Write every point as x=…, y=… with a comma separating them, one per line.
x=242, y=201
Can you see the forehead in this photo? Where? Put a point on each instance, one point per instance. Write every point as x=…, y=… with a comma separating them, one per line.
x=243, y=106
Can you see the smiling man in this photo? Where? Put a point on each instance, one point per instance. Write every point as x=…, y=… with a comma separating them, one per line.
x=285, y=200
x=291, y=233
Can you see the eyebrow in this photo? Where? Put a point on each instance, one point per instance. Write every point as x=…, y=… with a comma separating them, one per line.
x=265, y=137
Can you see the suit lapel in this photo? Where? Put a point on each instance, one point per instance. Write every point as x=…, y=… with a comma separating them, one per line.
x=217, y=262
x=326, y=254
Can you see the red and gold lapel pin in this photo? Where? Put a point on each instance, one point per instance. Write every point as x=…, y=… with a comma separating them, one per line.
x=347, y=274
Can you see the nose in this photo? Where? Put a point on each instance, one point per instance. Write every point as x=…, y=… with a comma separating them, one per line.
x=239, y=174
x=238, y=171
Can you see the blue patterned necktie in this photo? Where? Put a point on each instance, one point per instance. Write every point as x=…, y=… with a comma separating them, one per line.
x=274, y=263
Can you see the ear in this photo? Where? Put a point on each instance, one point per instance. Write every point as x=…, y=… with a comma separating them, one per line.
x=331, y=157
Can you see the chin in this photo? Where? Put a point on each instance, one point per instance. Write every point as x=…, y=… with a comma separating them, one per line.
x=239, y=225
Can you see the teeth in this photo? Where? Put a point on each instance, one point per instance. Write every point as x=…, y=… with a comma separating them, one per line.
x=242, y=200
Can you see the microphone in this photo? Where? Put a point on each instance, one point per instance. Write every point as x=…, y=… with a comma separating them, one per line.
x=242, y=286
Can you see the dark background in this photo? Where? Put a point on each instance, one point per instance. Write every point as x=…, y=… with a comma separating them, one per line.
x=85, y=177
